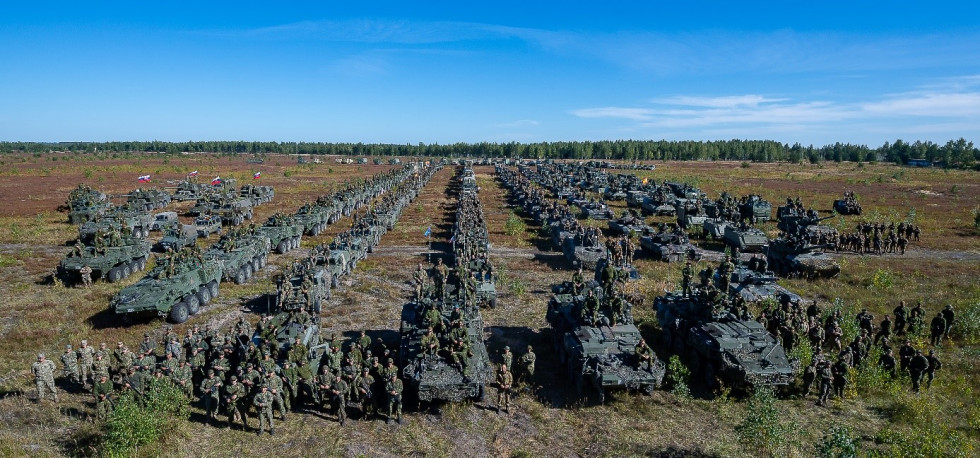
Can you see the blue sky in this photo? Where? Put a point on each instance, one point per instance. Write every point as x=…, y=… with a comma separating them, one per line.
x=502, y=71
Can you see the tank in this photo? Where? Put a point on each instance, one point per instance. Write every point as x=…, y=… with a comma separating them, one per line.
x=240, y=254
x=716, y=344
x=283, y=231
x=755, y=285
x=667, y=246
x=602, y=355
x=176, y=288
x=797, y=257
x=178, y=236
x=745, y=238
x=808, y=225
x=137, y=221
x=435, y=377
x=112, y=263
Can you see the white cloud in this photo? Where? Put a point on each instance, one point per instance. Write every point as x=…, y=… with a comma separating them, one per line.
x=519, y=123
x=720, y=102
x=636, y=114
x=928, y=104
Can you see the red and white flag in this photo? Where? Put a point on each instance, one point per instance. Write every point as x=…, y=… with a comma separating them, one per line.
x=144, y=178
x=216, y=181
x=256, y=175
x=192, y=174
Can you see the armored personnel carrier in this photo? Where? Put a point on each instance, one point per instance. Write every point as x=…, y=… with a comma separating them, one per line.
x=690, y=213
x=754, y=208
x=304, y=287
x=848, y=205
x=716, y=343
x=715, y=228
x=753, y=284
x=112, y=262
x=629, y=223
x=746, y=239
x=178, y=236
x=808, y=226
x=137, y=221
x=257, y=194
x=315, y=216
x=635, y=198
x=234, y=212
x=85, y=204
x=797, y=257
x=240, y=254
x=176, y=288
x=581, y=255
x=667, y=245
x=597, y=210
x=659, y=204
x=283, y=232
x=438, y=377
x=601, y=353
x=148, y=199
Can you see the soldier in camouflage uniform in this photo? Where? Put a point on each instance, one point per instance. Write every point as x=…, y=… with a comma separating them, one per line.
x=393, y=389
x=505, y=380
x=338, y=394
x=527, y=362
x=43, y=371
x=86, y=274
x=263, y=405
x=235, y=395
x=211, y=392
x=364, y=386
x=86, y=355
x=69, y=361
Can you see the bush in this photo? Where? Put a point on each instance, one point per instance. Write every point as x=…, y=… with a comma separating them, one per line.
x=882, y=279
x=976, y=219
x=762, y=430
x=514, y=226
x=138, y=421
x=678, y=377
x=968, y=325
x=803, y=353
x=838, y=443
x=746, y=165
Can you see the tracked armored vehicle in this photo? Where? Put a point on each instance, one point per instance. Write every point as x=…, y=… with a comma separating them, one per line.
x=806, y=224
x=283, y=232
x=690, y=213
x=597, y=210
x=716, y=344
x=240, y=255
x=113, y=263
x=601, y=354
x=667, y=246
x=176, y=288
x=746, y=239
x=797, y=257
x=659, y=204
x=754, y=285
x=438, y=377
x=755, y=208
x=629, y=224
x=580, y=255
x=848, y=205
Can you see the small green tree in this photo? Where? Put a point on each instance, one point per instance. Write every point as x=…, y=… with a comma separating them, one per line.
x=762, y=429
x=139, y=421
x=678, y=377
x=838, y=443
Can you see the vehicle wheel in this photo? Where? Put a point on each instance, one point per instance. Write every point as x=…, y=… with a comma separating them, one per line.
x=142, y=263
x=281, y=247
x=179, y=313
x=248, y=270
x=213, y=288
x=335, y=283
x=115, y=274
x=256, y=264
x=241, y=277
x=127, y=270
x=193, y=304
x=481, y=393
x=204, y=295
x=296, y=243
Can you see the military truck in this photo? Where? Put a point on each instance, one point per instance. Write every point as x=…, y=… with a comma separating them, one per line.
x=240, y=255
x=797, y=257
x=717, y=344
x=178, y=236
x=111, y=262
x=283, y=232
x=207, y=225
x=435, y=377
x=138, y=222
x=176, y=288
x=745, y=238
x=234, y=212
x=601, y=353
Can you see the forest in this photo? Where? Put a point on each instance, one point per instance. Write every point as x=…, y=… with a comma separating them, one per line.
x=954, y=154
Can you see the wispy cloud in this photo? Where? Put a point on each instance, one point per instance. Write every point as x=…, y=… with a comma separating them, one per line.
x=519, y=123
x=636, y=114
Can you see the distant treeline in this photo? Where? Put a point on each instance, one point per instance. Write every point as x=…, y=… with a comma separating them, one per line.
x=955, y=153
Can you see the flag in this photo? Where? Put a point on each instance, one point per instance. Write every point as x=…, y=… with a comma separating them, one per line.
x=216, y=181
x=192, y=174
x=428, y=231
x=452, y=239
x=256, y=175
x=144, y=178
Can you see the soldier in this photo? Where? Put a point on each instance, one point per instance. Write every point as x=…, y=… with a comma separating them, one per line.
x=234, y=397
x=887, y=362
x=504, y=382
x=934, y=365
x=644, y=355
x=686, y=280
x=507, y=357
x=338, y=395
x=420, y=277
x=364, y=341
x=905, y=355
x=100, y=366
x=69, y=363
x=211, y=392
x=394, y=389
x=148, y=345
x=917, y=368
x=430, y=343
x=439, y=278
x=948, y=315
x=364, y=389
x=103, y=407
x=183, y=378
x=86, y=273
x=901, y=313
x=86, y=355
x=43, y=371
x=937, y=329
x=809, y=375
x=102, y=386
x=527, y=362
x=826, y=381
x=263, y=405
x=885, y=330
x=578, y=282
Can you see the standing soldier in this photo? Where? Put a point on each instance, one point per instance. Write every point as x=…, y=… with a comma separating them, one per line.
x=826, y=382
x=937, y=329
x=338, y=394
x=840, y=378
x=527, y=361
x=504, y=382
x=394, y=389
x=809, y=375
x=43, y=371
x=885, y=330
x=263, y=405
x=211, y=392
x=948, y=315
x=686, y=280
x=917, y=367
x=234, y=395
x=85, y=360
x=420, y=276
x=86, y=274
x=901, y=313
x=365, y=392
x=69, y=361
x=507, y=357
x=934, y=365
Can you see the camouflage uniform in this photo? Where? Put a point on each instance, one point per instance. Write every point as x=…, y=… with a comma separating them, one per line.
x=263, y=405
x=86, y=355
x=43, y=371
x=69, y=361
x=211, y=392
x=234, y=397
x=394, y=389
x=504, y=382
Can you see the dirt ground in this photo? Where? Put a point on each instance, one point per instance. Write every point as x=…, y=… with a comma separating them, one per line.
x=550, y=418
